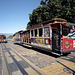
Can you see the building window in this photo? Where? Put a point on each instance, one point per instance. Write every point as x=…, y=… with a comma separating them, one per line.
x=40, y=32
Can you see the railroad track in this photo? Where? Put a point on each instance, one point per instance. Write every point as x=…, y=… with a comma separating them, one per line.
x=24, y=66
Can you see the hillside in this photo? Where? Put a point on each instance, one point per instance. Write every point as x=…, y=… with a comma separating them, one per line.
x=6, y=34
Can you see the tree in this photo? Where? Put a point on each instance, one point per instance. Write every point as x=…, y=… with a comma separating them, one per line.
x=62, y=9
x=50, y=9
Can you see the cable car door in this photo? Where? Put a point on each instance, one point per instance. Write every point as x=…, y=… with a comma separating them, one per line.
x=54, y=39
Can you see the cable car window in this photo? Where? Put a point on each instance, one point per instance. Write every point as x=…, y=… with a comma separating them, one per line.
x=46, y=31
x=71, y=33
x=40, y=32
x=32, y=33
x=27, y=35
x=35, y=32
x=4, y=37
x=65, y=32
x=54, y=31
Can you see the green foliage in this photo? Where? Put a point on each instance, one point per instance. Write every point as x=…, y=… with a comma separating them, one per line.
x=50, y=9
x=10, y=37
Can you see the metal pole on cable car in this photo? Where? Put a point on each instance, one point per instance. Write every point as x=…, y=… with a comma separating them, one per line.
x=60, y=38
x=61, y=29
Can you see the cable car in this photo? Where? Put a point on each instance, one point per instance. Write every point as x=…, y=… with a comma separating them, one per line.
x=3, y=39
x=51, y=36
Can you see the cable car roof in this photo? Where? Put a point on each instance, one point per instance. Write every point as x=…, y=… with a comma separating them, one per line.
x=51, y=22
x=68, y=24
x=18, y=32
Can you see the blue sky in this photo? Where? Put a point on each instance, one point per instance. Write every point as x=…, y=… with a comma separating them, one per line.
x=14, y=14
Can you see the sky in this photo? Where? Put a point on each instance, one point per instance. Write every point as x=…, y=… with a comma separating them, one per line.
x=14, y=14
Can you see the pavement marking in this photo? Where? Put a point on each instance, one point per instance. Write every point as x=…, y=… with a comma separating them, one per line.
x=59, y=69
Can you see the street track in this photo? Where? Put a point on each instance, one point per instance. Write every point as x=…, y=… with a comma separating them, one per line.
x=13, y=54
